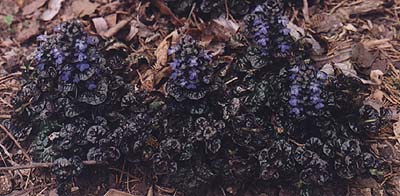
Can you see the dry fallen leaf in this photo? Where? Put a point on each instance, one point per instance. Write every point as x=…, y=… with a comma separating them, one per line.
x=111, y=20
x=346, y=68
x=33, y=6
x=100, y=25
x=134, y=30
x=84, y=7
x=53, y=8
x=375, y=100
x=121, y=24
x=161, y=52
x=229, y=25
x=326, y=23
x=362, y=57
x=150, y=192
x=376, y=77
x=113, y=192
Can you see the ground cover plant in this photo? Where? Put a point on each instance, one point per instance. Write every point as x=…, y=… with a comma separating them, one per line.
x=268, y=117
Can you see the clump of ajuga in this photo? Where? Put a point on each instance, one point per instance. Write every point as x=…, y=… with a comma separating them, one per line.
x=297, y=125
x=192, y=76
x=70, y=103
x=268, y=35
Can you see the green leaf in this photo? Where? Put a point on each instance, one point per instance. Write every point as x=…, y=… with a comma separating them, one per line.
x=8, y=20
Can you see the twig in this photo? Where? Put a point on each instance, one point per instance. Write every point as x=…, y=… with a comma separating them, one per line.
x=112, y=31
x=41, y=165
x=124, y=172
x=7, y=77
x=227, y=9
x=306, y=12
x=16, y=143
x=5, y=116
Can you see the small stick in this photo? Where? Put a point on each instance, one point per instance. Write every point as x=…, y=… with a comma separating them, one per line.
x=16, y=143
x=306, y=12
x=40, y=165
x=5, y=116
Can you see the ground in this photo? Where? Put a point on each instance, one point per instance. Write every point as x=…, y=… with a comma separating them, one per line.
x=361, y=37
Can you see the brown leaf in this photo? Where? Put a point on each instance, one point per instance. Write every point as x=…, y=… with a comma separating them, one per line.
x=33, y=6
x=30, y=31
x=134, y=30
x=150, y=192
x=223, y=29
x=53, y=8
x=112, y=31
x=84, y=7
x=366, y=7
x=147, y=80
x=113, y=192
x=161, y=52
x=362, y=57
x=228, y=25
x=111, y=20
x=324, y=23
x=100, y=25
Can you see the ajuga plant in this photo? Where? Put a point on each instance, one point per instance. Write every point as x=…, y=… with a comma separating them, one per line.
x=291, y=124
x=74, y=107
x=266, y=28
x=192, y=76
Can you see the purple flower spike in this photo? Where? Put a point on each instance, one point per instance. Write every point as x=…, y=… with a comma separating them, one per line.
x=295, y=111
x=263, y=29
x=322, y=75
x=82, y=66
x=80, y=45
x=293, y=101
x=192, y=74
x=59, y=60
x=257, y=22
x=193, y=62
x=92, y=40
x=262, y=42
x=65, y=76
x=283, y=20
x=319, y=106
x=315, y=99
x=259, y=8
x=40, y=66
x=38, y=55
x=206, y=80
x=284, y=47
x=92, y=86
x=286, y=31
x=174, y=64
x=76, y=79
x=294, y=90
x=41, y=38
x=314, y=87
x=173, y=50
x=191, y=86
x=295, y=69
x=81, y=57
x=174, y=75
x=183, y=83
